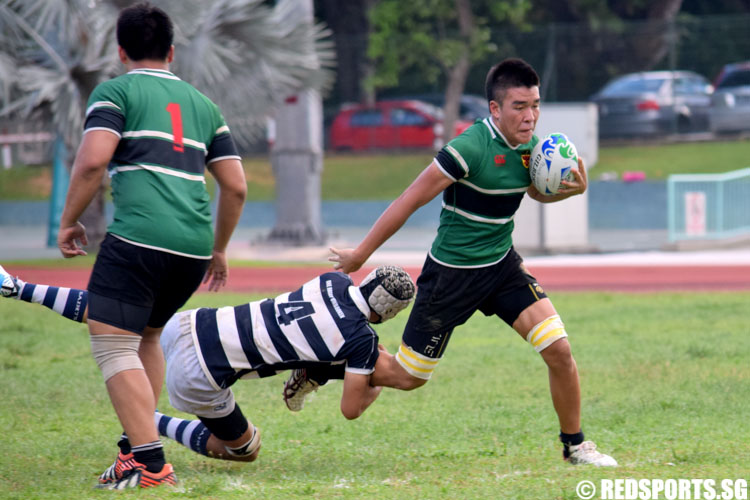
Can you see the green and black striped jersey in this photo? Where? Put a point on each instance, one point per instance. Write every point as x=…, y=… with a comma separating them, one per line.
x=168, y=133
x=491, y=178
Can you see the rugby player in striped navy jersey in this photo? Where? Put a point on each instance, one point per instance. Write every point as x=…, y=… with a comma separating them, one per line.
x=155, y=135
x=325, y=322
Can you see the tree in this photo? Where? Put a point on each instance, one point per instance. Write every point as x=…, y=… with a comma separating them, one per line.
x=438, y=38
x=350, y=23
x=243, y=54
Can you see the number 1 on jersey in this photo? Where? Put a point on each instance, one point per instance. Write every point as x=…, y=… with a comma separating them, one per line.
x=175, y=113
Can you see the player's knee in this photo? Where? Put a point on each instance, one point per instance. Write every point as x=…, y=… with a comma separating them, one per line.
x=116, y=353
x=410, y=383
x=417, y=368
x=558, y=356
x=546, y=333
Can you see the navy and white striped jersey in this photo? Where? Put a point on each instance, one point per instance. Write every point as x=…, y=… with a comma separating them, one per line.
x=326, y=320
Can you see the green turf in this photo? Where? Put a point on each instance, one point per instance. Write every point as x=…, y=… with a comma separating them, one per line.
x=664, y=380
x=658, y=161
x=384, y=176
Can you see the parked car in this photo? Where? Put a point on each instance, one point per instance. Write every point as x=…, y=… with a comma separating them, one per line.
x=730, y=105
x=470, y=108
x=390, y=125
x=653, y=102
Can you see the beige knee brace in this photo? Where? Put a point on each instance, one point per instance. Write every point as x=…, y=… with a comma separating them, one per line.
x=116, y=353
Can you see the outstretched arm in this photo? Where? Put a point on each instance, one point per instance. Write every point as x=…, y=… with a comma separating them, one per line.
x=358, y=394
x=425, y=187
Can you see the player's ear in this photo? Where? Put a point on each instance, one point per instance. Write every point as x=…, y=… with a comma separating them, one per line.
x=495, y=107
x=122, y=55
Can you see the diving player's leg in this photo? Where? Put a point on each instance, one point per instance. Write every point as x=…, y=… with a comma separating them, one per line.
x=233, y=437
x=70, y=303
x=221, y=431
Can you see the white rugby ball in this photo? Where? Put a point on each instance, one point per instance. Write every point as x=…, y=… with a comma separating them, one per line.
x=552, y=161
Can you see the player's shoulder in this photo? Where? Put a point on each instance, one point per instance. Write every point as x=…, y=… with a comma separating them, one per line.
x=473, y=140
x=466, y=151
x=337, y=277
x=109, y=89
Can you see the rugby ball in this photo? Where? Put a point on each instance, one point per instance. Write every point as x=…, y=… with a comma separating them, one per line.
x=552, y=161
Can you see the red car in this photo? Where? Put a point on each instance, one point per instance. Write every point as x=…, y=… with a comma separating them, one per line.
x=390, y=125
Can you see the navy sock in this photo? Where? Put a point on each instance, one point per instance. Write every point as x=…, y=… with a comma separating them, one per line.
x=189, y=433
x=68, y=302
x=124, y=444
x=569, y=440
x=151, y=455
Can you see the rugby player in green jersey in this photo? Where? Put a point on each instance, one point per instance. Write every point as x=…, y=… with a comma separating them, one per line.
x=154, y=135
x=483, y=175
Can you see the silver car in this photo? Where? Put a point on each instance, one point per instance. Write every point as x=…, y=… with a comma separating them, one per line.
x=730, y=105
x=653, y=102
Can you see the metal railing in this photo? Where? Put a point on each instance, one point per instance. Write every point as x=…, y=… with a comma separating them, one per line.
x=708, y=206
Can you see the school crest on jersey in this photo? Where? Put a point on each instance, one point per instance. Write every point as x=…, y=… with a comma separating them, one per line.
x=526, y=159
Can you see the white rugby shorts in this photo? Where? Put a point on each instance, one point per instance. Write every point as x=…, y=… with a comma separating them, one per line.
x=188, y=387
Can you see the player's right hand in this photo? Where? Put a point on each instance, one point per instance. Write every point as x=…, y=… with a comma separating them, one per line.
x=66, y=240
x=217, y=272
x=344, y=260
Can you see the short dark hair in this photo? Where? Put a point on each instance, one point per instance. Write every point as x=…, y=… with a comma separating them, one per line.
x=145, y=32
x=507, y=74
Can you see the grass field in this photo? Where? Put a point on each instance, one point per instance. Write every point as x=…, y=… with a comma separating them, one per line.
x=384, y=176
x=664, y=380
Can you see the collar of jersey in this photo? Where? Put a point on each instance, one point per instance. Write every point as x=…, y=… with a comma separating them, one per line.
x=154, y=72
x=360, y=301
x=496, y=134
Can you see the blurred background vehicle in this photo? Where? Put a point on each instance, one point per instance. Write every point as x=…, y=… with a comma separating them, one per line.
x=402, y=124
x=730, y=103
x=653, y=102
x=471, y=106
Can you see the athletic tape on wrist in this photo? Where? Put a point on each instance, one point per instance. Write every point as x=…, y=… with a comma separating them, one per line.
x=116, y=353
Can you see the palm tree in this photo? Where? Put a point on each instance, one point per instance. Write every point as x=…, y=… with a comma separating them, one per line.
x=243, y=54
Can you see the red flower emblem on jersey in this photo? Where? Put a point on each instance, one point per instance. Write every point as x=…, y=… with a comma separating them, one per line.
x=526, y=159
x=499, y=160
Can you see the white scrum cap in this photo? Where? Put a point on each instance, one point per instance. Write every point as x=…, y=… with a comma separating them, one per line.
x=388, y=290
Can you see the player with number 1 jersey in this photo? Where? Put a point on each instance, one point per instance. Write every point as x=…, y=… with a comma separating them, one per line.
x=168, y=133
x=155, y=135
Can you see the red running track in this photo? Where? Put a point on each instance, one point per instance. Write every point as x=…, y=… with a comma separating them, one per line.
x=624, y=278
